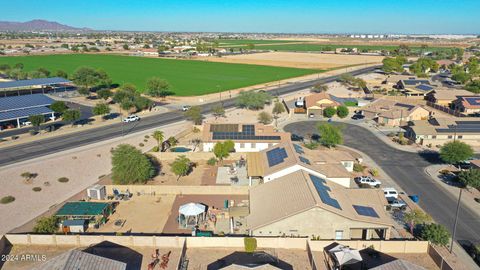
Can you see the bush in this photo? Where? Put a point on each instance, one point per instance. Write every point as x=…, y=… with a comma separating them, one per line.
x=374, y=172
x=147, y=136
x=195, y=130
x=329, y=112
x=357, y=167
x=311, y=145
x=141, y=144
x=37, y=189
x=32, y=132
x=130, y=166
x=435, y=233
x=63, y=179
x=155, y=149
x=7, y=199
x=342, y=111
x=212, y=161
x=46, y=225
x=250, y=244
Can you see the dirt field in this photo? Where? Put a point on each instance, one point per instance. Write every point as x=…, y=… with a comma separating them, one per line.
x=299, y=60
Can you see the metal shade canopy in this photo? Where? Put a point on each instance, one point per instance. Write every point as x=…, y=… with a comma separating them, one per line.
x=192, y=209
x=345, y=255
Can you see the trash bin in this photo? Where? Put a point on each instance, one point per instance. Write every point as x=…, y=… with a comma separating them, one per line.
x=414, y=198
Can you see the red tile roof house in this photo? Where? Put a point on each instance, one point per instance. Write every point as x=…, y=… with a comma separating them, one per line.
x=469, y=105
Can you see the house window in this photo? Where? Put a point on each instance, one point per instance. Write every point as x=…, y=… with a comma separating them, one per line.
x=242, y=145
x=338, y=235
x=450, y=136
x=434, y=136
x=254, y=145
x=460, y=136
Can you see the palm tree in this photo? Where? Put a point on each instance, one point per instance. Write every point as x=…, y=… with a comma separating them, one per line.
x=158, y=135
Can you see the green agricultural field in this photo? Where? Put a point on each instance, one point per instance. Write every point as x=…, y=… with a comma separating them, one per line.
x=187, y=77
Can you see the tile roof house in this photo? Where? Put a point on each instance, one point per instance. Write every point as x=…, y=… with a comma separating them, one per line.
x=77, y=259
x=414, y=87
x=469, y=105
x=438, y=131
x=247, y=137
x=392, y=113
x=317, y=102
x=285, y=158
x=444, y=97
x=302, y=204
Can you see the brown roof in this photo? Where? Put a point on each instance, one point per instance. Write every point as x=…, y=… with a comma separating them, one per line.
x=475, y=163
x=467, y=102
x=312, y=99
x=324, y=161
x=260, y=130
x=391, y=109
x=449, y=94
x=295, y=193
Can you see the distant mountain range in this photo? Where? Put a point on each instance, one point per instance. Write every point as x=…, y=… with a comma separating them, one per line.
x=38, y=25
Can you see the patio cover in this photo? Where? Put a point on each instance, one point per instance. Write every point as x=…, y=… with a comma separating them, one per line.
x=192, y=209
x=345, y=255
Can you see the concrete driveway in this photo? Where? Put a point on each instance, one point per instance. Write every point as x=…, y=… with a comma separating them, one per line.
x=408, y=171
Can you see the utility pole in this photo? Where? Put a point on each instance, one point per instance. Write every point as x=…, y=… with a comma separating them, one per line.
x=456, y=220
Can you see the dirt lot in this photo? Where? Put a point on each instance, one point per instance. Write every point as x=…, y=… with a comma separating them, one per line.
x=299, y=60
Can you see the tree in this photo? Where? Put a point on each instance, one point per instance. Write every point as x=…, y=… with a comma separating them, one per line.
x=461, y=77
x=222, y=150
x=455, y=152
x=414, y=218
x=158, y=136
x=218, y=111
x=61, y=74
x=83, y=91
x=278, y=108
x=59, y=107
x=264, y=118
x=470, y=178
x=342, y=111
x=46, y=225
x=104, y=93
x=393, y=64
x=194, y=114
x=330, y=135
x=44, y=71
x=172, y=141
x=36, y=120
x=250, y=46
x=130, y=166
x=88, y=77
x=71, y=115
x=125, y=47
x=473, y=86
x=329, y=112
x=435, y=233
x=181, y=166
x=157, y=87
x=319, y=87
x=253, y=100
x=101, y=109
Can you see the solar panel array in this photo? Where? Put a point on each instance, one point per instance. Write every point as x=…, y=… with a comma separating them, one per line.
x=247, y=133
x=461, y=127
x=324, y=192
x=365, y=211
x=33, y=82
x=23, y=102
x=473, y=100
x=276, y=156
x=298, y=149
x=305, y=160
x=415, y=82
x=424, y=87
x=12, y=115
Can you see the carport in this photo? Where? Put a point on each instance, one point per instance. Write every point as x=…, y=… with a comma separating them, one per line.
x=14, y=109
x=41, y=85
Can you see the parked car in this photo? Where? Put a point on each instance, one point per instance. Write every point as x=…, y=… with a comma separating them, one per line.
x=186, y=108
x=131, y=118
x=367, y=181
x=358, y=116
x=390, y=192
x=26, y=123
x=296, y=138
x=396, y=203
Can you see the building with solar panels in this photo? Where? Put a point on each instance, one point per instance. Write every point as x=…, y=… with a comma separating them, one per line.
x=393, y=113
x=301, y=204
x=286, y=158
x=418, y=88
x=34, y=86
x=469, y=105
x=15, y=110
x=438, y=131
x=246, y=137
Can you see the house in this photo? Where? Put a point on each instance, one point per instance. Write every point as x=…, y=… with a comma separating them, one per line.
x=316, y=103
x=77, y=259
x=411, y=82
x=438, y=131
x=247, y=137
x=475, y=164
x=149, y=52
x=303, y=205
x=445, y=97
x=392, y=113
x=285, y=158
x=469, y=105
x=413, y=87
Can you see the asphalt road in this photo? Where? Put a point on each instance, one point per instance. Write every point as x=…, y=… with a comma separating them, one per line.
x=26, y=151
x=407, y=169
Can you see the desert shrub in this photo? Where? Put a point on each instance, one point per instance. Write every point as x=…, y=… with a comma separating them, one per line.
x=155, y=149
x=63, y=179
x=195, y=130
x=145, y=140
x=435, y=233
x=250, y=244
x=374, y=172
x=7, y=199
x=212, y=161
x=311, y=145
x=141, y=144
x=147, y=136
x=357, y=167
x=37, y=189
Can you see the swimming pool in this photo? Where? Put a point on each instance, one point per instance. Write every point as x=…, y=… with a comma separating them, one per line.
x=180, y=149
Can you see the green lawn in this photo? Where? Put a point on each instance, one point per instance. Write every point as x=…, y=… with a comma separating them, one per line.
x=323, y=47
x=187, y=77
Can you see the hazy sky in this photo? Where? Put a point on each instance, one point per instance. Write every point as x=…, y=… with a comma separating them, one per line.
x=299, y=16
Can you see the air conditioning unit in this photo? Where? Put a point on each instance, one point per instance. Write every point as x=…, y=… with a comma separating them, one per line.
x=97, y=192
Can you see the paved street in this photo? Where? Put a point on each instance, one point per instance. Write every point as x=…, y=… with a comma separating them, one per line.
x=43, y=147
x=407, y=169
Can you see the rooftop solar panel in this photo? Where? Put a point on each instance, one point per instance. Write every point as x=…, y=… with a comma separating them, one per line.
x=23, y=113
x=298, y=149
x=415, y=82
x=276, y=156
x=424, y=87
x=365, y=211
x=305, y=160
x=323, y=192
x=230, y=132
x=23, y=102
x=33, y=82
x=473, y=100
